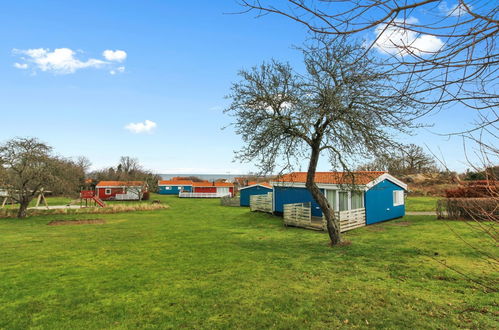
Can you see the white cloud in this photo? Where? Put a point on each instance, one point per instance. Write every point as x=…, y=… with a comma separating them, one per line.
x=457, y=10
x=397, y=40
x=114, y=55
x=146, y=127
x=22, y=66
x=65, y=60
x=60, y=61
x=119, y=69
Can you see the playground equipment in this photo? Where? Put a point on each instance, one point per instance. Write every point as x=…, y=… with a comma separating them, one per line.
x=41, y=197
x=7, y=198
x=89, y=196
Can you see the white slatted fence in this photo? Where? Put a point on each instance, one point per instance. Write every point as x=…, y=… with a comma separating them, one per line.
x=261, y=203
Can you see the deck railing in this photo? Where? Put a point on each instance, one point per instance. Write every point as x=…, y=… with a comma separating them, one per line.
x=349, y=219
x=298, y=215
x=202, y=195
x=261, y=203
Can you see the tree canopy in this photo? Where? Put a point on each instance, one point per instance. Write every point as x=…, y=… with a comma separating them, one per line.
x=340, y=105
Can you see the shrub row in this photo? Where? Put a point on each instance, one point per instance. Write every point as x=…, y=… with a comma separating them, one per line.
x=479, y=209
x=11, y=213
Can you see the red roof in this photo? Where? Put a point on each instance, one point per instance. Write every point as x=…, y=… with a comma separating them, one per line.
x=265, y=184
x=212, y=184
x=120, y=184
x=224, y=184
x=361, y=177
x=175, y=183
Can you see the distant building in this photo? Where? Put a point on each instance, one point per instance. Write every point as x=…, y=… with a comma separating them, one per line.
x=253, y=188
x=174, y=186
x=121, y=190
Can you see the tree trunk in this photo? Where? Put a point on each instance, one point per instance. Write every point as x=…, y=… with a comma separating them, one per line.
x=23, y=207
x=333, y=225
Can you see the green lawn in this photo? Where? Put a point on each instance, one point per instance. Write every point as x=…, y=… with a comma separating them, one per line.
x=200, y=265
x=421, y=203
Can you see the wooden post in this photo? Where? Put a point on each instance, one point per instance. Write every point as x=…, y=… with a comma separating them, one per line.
x=41, y=197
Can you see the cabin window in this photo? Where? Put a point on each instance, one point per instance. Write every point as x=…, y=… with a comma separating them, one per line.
x=168, y=188
x=331, y=198
x=343, y=201
x=398, y=197
x=108, y=191
x=357, y=200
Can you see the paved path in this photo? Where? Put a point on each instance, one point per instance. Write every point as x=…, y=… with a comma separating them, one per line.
x=422, y=213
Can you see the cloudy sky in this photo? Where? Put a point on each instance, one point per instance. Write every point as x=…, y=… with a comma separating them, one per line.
x=148, y=79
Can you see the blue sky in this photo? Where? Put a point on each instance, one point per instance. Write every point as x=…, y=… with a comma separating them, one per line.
x=181, y=58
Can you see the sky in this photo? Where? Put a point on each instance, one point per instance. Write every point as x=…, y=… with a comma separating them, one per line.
x=148, y=79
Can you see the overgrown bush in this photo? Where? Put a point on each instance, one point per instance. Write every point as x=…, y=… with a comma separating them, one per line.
x=475, y=189
x=478, y=209
x=11, y=213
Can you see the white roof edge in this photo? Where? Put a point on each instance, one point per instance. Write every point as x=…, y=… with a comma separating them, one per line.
x=319, y=185
x=254, y=185
x=389, y=177
x=384, y=176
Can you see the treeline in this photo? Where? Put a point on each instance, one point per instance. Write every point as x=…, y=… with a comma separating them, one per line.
x=410, y=160
x=128, y=169
x=28, y=166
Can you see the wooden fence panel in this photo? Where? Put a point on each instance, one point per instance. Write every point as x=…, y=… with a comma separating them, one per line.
x=230, y=201
x=261, y=203
x=349, y=220
x=298, y=215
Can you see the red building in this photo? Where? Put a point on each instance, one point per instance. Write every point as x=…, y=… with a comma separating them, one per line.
x=219, y=188
x=121, y=190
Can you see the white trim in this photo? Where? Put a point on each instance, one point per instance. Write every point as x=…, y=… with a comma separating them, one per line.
x=368, y=186
x=106, y=191
x=319, y=185
x=256, y=184
x=388, y=177
x=398, y=197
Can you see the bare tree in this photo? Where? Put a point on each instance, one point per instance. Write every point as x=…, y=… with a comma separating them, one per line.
x=128, y=169
x=28, y=167
x=410, y=159
x=341, y=105
x=128, y=166
x=447, y=55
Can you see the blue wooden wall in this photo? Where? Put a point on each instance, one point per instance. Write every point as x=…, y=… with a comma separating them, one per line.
x=256, y=190
x=288, y=195
x=379, y=203
x=174, y=190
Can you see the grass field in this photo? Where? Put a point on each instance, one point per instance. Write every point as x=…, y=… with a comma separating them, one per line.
x=200, y=265
x=421, y=203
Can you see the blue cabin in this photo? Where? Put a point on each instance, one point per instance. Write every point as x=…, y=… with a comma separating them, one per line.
x=253, y=189
x=174, y=187
x=378, y=193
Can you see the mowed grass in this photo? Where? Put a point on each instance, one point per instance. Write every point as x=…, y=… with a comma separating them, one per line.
x=200, y=265
x=421, y=203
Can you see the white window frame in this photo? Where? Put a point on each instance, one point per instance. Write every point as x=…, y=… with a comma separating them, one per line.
x=398, y=198
x=168, y=187
x=108, y=191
